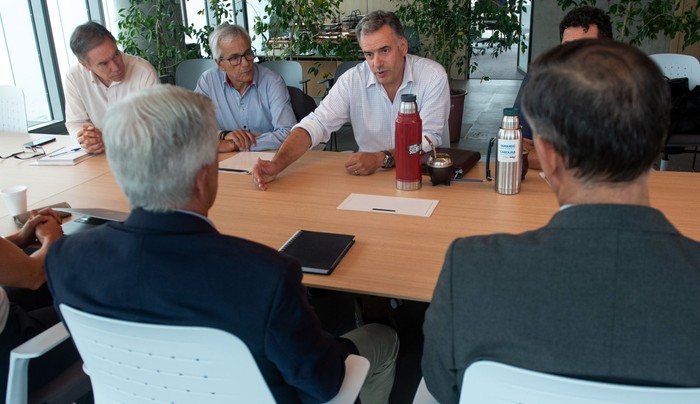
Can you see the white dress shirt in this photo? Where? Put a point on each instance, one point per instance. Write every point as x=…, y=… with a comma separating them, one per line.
x=356, y=97
x=87, y=99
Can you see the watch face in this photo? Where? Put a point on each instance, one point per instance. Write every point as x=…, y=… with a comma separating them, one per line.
x=388, y=160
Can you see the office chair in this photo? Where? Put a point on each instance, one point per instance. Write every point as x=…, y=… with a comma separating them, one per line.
x=138, y=363
x=488, y=382
x=674, y=66
x=329, y=81
x=13, y=112
x=189, y=71
x=69, y=386
x=291, y=72
x=302, y=103
x=342, y=68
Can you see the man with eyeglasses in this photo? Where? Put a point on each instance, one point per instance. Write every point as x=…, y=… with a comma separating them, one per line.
x=103, y=76
x=253, y=109
x=368, y=96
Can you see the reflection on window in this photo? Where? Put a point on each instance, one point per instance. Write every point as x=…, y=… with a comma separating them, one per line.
x=20, y=65
x=64, y=17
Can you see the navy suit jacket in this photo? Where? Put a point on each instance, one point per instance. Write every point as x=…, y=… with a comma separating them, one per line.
x=175, y=268
x=603, y=292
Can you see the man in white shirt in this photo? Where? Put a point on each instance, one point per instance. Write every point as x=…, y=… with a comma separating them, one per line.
x=368, y=96
x=104, y=76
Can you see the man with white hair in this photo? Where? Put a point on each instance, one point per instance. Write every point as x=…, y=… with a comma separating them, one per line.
x=253, y=107
x=167, y=263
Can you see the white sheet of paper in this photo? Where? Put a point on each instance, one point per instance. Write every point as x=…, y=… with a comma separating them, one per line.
x=389, y=204
x=244, y=162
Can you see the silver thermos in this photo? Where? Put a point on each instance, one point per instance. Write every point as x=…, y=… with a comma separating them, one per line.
x=509, y=154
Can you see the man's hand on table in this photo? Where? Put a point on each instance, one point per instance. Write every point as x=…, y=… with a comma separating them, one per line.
x=90, y=139
x=364, y=163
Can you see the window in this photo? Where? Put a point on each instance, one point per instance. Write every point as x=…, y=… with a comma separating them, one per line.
x=44, y=27
x=35, y=52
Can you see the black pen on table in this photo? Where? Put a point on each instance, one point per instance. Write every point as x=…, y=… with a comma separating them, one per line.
x=384, y=210
x=54, y=154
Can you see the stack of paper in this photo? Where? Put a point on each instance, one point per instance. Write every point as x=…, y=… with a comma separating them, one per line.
x=244, y=162
x=68, y=157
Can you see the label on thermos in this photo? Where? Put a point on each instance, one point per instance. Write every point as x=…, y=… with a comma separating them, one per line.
x=508, y=150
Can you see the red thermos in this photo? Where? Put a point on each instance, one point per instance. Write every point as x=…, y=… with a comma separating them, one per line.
x=409, y=137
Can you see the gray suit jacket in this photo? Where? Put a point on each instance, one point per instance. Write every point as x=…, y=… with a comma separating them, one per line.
x=604, y=292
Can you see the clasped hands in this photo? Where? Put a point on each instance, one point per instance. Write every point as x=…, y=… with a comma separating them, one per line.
x=90, y=139
x=43, y=225
x=239, y=139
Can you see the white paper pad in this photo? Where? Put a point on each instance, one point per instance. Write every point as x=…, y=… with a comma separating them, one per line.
x=244, y=162
x=389, y=204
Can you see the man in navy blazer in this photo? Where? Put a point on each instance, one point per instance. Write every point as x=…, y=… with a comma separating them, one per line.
x=167, y=263
x=608, y=290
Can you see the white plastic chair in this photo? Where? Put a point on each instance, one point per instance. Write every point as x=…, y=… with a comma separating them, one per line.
x=138, y=363
x=188, y=72
x=13, y=112
x=674, y=65
x=69, y=385
x=291, y=72
x=488, y=382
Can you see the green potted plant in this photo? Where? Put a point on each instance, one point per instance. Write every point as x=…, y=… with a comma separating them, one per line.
x=153, y=30
x=221, y=11
x=636, y=21
x=449, y=32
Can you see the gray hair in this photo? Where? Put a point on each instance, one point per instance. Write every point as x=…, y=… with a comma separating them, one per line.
x=375, y=20
x=156, y=140
x=87, y=37
x=225, y=32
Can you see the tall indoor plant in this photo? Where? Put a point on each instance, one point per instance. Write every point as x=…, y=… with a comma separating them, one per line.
x=153, y=30
x=449, y=31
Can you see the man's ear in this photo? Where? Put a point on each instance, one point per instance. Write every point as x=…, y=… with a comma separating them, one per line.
x=545, y=153
x=84, y=64
x=551, y=162
x=201, y=183
x=403, y=46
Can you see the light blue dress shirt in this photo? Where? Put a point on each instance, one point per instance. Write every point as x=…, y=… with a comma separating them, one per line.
x=263, y=108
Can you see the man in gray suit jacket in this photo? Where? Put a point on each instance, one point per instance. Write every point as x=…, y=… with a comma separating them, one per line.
x=609, y=290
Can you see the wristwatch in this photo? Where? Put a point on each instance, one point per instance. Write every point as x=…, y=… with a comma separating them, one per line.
x=388, y=159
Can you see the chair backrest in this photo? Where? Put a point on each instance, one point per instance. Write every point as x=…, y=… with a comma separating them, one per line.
x=290, y=70
x=345, y=66
x=302, y=103
x=13, y=112
x=675, y=65
x=188, y=72
x=139, y=363
x=491, y=382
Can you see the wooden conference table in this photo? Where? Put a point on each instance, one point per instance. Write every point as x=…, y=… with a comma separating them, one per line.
x=394, y=255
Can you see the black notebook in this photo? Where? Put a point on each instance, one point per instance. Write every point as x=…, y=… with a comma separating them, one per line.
x=318, y=253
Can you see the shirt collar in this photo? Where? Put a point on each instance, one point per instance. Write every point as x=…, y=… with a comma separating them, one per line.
x=228, y=82
x=195, y=214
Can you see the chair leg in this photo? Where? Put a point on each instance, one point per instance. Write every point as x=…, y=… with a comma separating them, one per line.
x=695, y=156
x=334, y=142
